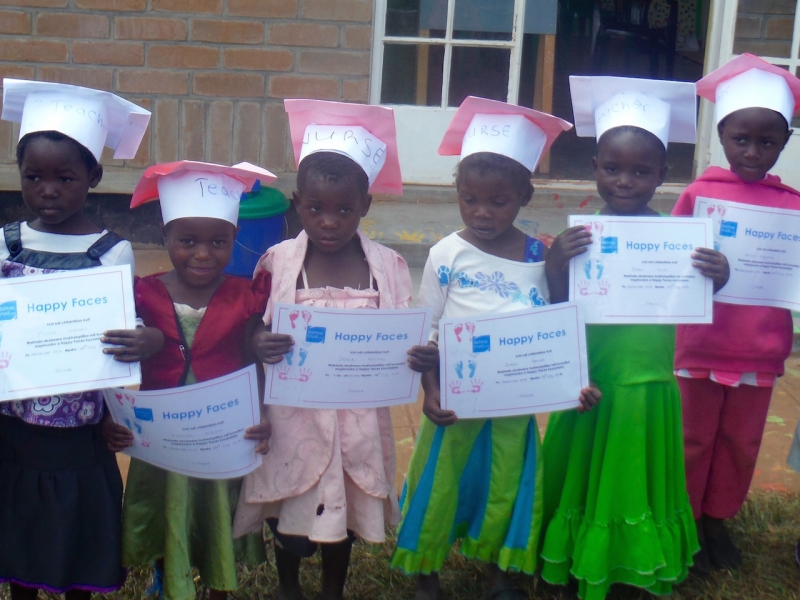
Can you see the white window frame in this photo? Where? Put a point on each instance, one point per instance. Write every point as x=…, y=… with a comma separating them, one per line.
x=380, y=39
x=719, y=50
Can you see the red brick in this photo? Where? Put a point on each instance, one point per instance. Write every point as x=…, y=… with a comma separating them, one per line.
x=304, y=34
x=16, y=72
x=779, y=28
x=231, y=85
x=72, y=25
x=268, y=9
x=115, y=5
x=763, y=48
x=355, y=90
x=209, y=7
x=97, y=78
x=109, y=53
x=358, y=37
x=193, y=130
x=36, y=3
x=165, y=125
x=246, y=132
x=337, y=10
x=259, y=59
x=182, y=57
x=294, y=86
x=14, y=22
x=330, y=62
x=775, y=7
x=149, y=28
x=227, y=32
x=7, y=140
x=33, y=50
x=275, y=136
x=148, y=81
x=219, y=132
x=748, y=27
x=142, y=158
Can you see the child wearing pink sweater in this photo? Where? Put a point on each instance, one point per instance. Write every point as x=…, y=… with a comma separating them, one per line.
x=726, y=370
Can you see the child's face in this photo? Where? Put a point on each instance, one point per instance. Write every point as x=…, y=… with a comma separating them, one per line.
x=55, y=182
x=199, y=248
x=488, y=203
x=330, y=212
x=753, y=139
x=628, y=169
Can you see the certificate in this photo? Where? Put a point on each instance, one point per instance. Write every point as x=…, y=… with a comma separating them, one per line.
x=514, y=363
x=346, y=358
x=762, y=246
x=639, y=270
x=50, y=330
x=195, y=430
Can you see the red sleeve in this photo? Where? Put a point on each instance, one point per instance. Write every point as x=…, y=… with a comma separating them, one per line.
x=684, y=207
x=260, y=286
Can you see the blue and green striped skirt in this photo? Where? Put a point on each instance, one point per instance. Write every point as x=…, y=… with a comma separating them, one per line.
x=478, y=481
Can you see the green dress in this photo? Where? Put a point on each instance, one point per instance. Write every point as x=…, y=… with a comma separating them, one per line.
x=184, y=520
x=615, y=503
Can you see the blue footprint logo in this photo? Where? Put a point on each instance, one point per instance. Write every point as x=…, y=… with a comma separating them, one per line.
x=303, y=355
x=600, y=267
x=472, y=366
x=460, y=369
x=443, y=273
x=289, y=356
x=587, y=269
x=536, y=299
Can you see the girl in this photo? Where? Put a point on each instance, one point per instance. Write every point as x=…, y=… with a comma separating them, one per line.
x=726, y=371
x=616, y=508
x=60, y=488
x=205, y=319
x=478, y=480
x=329, y=475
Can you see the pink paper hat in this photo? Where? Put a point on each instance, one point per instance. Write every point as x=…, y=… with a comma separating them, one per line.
x=364, y=133
x=482, y=125
x=747, y=82
x=196, y=189
x=93, y=118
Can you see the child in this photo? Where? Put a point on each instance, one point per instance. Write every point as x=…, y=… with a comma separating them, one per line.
x=616, y=508
x=206, y=319
x=329, y=475
x=726, y=370
x=60, y=488
x=478, y=479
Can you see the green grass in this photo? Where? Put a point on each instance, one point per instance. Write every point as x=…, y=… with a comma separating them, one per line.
x=766, y=529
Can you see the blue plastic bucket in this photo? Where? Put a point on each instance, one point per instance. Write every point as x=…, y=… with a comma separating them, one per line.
x=261, y=226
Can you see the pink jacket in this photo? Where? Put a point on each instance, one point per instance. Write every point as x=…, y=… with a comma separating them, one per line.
x=741, y=339
x=302, y=442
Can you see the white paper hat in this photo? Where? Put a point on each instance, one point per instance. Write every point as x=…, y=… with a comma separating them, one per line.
x=483, y=125
x=667, y=109
x=754, y=88
x=197, y=189
x=92, y=118
x=355, y=142
x=364, y=133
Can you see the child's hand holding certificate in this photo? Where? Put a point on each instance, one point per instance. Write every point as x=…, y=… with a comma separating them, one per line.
x=513, y=363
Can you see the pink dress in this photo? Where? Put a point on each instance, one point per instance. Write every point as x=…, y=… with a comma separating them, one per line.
x=327, y=471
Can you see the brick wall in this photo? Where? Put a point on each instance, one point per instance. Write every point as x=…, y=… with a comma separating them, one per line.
x=764, y=27
x=213, y=72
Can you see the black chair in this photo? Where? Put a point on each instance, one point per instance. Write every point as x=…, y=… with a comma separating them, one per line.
x=628, y=19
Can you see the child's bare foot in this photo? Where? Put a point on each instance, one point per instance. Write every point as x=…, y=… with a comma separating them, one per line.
x=428, y=587
x=722, y=552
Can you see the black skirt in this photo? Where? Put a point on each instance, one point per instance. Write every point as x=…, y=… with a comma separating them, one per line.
x=60, y=508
